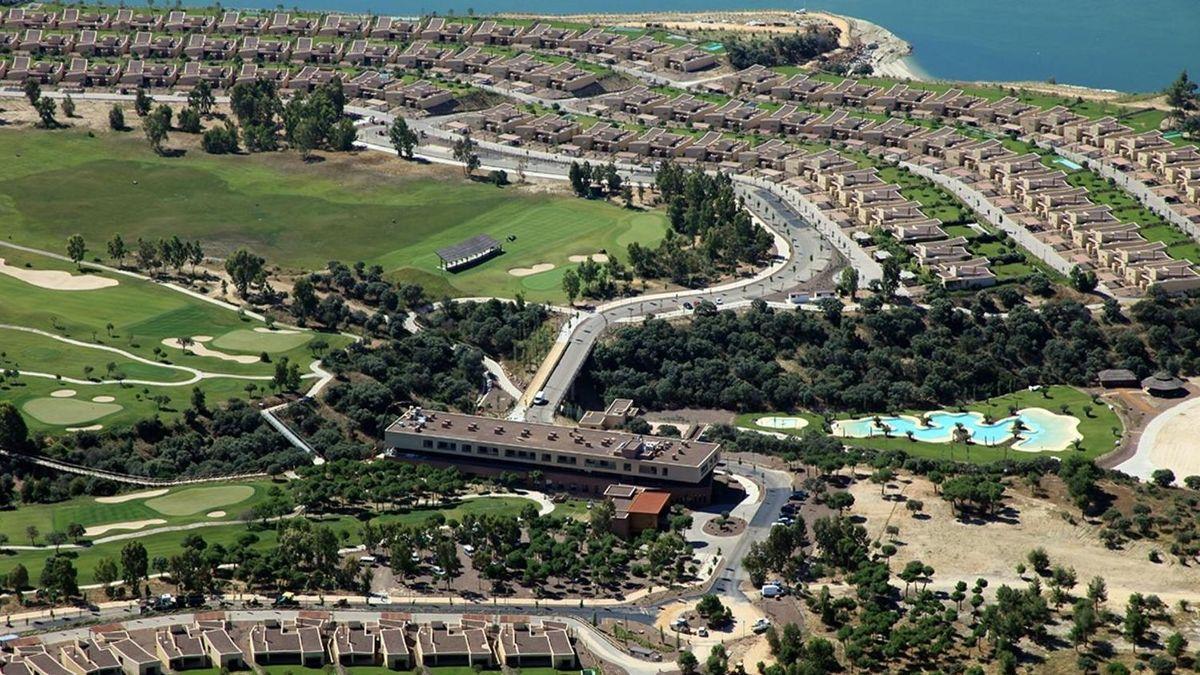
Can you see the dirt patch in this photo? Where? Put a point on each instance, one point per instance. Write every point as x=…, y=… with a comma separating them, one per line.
x=732, y=527
x=595, y=257
x=57, y=280
x=97, y=530
x=992, y=549
x=128, y=497
x=200, y=349
x=529, y=271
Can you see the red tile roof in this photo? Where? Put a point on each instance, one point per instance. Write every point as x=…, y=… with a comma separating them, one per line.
x=653, y=503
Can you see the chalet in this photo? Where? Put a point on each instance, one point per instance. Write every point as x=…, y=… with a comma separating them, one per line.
x=24, y=18
x=735, y=115
x=661, y=143
x=96, y=75
x=393, y=648
x=308, y=50
x=492, y=33
x=798, y=88
x=24, y=69
x=440, y=644
x=126, y=20
x=133, y=658
x=75, y=19
x=311, y=77
x=684, y=58
x=549, y=129
x=283, y=24
x=524, y=645
x=420, y=54
x=545, y=36
x=39, y=42
x=90, y=43
x=222, y=651
x=757, y=79
x=217, y=77
x=209, y=47
x=273, y=644
x=336, y=25
x=604, y=139
x=254, y=72
x=146, y=46
x=138, y=73
x=179, y=648
x=440, y=30
x=261, y=49
x=964, y=274
x=421, y=95
x=181, y=22
x=564, y=76
x=364, y=53
x=392, y=29
x=354, y=645
x=87, y=657
x=683, y=108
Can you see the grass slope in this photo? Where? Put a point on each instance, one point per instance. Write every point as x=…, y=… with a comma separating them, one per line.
x=296, y=215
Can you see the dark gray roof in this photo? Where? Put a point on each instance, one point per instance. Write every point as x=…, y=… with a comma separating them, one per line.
x=1161, y=381
x=470, y=248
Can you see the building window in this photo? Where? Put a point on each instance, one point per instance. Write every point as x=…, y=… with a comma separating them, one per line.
x=427, y=443
x=466, y=447
x=628, y=466
x=441, y=445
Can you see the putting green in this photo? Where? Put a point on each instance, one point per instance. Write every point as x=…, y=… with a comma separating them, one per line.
x=195, y=500
x=255, y=341
x=67, y=411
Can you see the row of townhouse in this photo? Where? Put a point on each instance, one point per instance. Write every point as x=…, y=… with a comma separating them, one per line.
x=1157, y=171
x=489, y=66
x=311, y=640
x=80, y=72
x=1022, y=189
x=595, y=42
x=861, y=201
x=1148, y=158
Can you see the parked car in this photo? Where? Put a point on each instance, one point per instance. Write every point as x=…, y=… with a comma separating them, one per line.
x=761, y=625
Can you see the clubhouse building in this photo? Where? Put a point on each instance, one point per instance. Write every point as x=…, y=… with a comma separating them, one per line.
x=574, y=459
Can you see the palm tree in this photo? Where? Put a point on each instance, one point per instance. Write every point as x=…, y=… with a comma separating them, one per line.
x=961, y=435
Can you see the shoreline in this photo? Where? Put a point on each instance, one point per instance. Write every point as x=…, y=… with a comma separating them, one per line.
x=891, y=58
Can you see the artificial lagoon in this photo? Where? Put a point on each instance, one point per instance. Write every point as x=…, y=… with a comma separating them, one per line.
x=1043, y=431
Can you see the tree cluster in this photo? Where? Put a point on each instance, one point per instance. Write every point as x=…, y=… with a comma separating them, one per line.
x=781, y=50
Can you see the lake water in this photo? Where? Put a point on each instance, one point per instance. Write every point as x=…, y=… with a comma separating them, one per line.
x=1116, y=44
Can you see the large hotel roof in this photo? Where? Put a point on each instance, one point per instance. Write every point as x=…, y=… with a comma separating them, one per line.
x=599, y=443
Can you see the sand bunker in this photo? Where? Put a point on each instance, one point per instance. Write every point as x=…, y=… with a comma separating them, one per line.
x=130, y=496
x=278, y=331
x=103, y=399
x=90, y=427
x=57, y=280
x=199, y=349
x=1169, y=442
x=62, y=393
x=216, y=514
x=596, y=257
x=528, y=271
x=776, y=422
x=97, y=530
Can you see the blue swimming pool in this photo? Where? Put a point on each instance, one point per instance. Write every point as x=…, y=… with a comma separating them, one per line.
x=1068, y=163
x=1043, y=430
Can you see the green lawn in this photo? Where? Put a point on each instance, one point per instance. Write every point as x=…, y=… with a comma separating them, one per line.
x=1096, y=427
x=297, y=215
x=141, y=314
x=87, y=511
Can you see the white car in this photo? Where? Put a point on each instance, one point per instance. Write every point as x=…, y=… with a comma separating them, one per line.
x=437, y=571
x=761, y=626
x=468, y=549
x=720, y=301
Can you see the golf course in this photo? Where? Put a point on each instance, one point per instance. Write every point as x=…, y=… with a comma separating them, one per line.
x=108, y=353
x=157, y=519
x=299, y=216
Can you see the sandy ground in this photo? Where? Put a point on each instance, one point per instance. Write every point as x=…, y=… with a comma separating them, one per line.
x=90, y=427
x=103, y=399
x=118, y=499
x=744, y=616
x=528, y=271
x=62, y=393
x=959, y=550
x=281, y=331
x=57, y=280
x=97, y=530
x=596, y=257
x=776, y=422
x=200, y=349
x=1169, y=441
x=215, y=514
